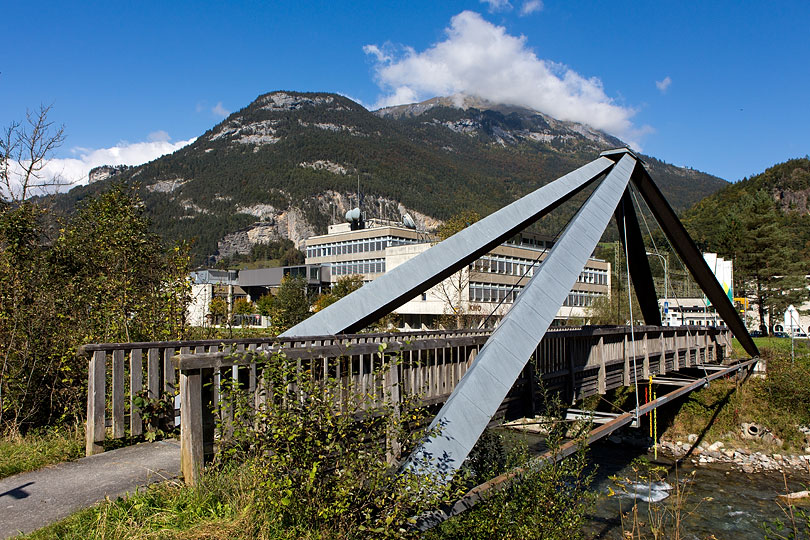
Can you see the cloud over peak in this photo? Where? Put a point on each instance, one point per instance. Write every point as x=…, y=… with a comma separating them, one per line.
x=481, y=59
x=76, y=169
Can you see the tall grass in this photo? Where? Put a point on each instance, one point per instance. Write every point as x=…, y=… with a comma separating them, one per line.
x=36, y=449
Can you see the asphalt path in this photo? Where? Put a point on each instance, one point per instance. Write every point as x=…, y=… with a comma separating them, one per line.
x=32, y=500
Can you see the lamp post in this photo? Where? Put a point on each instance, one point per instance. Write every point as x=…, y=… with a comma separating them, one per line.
x=666, y=273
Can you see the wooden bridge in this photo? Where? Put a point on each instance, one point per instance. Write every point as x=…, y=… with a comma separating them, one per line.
x=577, y=362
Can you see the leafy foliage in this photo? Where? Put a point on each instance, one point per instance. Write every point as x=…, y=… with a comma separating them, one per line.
x=344, y=285
x=290, y=305
x=320, y=471
x=102, y=277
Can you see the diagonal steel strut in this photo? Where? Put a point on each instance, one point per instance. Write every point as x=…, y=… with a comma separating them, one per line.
x=692, y=258
x=389, y=291
x=465, y=415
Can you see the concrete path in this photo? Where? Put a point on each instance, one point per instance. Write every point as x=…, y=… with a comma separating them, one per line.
x=30, y=501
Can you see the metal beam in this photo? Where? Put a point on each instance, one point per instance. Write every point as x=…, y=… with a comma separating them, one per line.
x=692, y=258
x=403, y=283
x=464, y=416
x=640, y=272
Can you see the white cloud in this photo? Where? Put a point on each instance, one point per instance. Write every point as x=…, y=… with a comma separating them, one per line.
x=663, y=85
x=530, y=6
x=497, y=5
x=74, y=171
x=158, y=136
x=219, y=110
x=482, y=59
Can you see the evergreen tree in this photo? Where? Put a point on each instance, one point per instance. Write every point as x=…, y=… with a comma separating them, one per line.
x=767, y=263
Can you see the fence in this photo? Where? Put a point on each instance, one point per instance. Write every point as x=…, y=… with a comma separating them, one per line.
x=575, y=361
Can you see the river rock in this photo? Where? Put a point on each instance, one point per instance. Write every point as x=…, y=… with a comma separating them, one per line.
x=692, y=438
x=714, y=447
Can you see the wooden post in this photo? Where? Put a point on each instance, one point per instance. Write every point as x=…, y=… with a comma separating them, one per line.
x=646, y=368
x=96, y=383
x=118, y=428
x=191, y=426
x=168, y=371
x=135, y=386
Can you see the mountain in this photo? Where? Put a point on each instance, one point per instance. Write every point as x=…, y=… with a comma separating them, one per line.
x=289, y=164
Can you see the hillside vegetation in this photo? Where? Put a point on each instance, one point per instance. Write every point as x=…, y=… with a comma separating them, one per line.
x=763, y=225
x=288, y=164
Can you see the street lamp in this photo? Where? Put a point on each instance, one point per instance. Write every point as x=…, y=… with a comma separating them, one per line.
x=666, y=273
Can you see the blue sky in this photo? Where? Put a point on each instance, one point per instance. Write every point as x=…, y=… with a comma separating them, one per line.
x=723, y=87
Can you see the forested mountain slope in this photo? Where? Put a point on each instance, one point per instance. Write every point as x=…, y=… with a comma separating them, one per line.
x=288, y=164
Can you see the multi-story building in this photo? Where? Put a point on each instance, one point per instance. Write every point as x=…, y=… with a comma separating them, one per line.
x=483, y=291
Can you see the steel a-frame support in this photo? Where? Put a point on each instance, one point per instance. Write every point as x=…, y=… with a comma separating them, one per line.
x=691, y=256
x=472, y=404
x=465, y=415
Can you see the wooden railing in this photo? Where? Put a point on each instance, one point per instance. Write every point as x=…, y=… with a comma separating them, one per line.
x=117, y=372
x=575, y=361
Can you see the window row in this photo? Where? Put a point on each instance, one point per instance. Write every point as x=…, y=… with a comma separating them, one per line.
x=594, y=276
x=348, y=268
x=510, y=266
x=361, y=245
x=581, y=298
x=493, y=292
x=513, y=266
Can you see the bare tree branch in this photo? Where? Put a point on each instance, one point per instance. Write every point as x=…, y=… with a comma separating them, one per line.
x=25, y=149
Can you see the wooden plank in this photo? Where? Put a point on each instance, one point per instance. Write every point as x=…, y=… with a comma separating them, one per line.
x=601, y=378
x=168, y=371
x=135, y=386
x=153, y=373
x=117, y=379
x=96, y=383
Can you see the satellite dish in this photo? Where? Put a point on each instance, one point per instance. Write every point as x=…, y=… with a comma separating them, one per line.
x=408, y=221
x=353, y=215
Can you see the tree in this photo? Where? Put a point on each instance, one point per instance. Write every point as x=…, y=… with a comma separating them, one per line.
x=454, y=291
x=242, y=307
x=217, y=310
x=291, y=305
x=264, y=305
x=119, y=279
x=344, y=285
x=25, y=149
x=766, y=262
x=104, y=278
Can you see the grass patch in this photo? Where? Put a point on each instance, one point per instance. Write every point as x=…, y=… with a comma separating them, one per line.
x=213, y=509
x=780, y=402
x=36, y=449
x=772, y=345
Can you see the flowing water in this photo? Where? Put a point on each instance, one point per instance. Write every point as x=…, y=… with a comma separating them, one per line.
x=718, y=503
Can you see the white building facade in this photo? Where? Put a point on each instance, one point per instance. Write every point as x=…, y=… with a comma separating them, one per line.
x=484, y=291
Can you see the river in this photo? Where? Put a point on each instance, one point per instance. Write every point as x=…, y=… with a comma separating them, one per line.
x=720, y=502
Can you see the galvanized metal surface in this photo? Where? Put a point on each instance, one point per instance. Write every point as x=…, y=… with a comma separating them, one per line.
x=465, y=415
x=394, y=288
